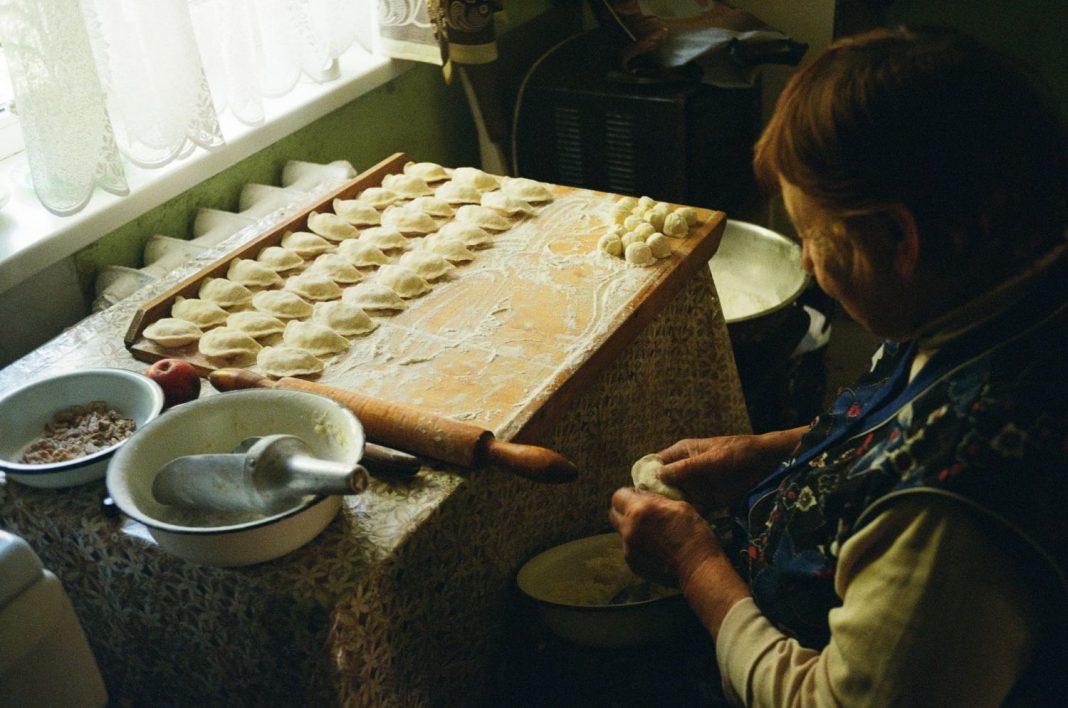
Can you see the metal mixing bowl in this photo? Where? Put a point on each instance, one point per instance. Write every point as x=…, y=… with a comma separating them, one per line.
x=611, y=624
x=758, y=276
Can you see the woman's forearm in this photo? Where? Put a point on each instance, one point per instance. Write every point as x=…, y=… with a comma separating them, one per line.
x=711, y=589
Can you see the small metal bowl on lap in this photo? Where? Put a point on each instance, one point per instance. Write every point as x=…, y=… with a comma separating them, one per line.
x=64, y=430
x=586, y=594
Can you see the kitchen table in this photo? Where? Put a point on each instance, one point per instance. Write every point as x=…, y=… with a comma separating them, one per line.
x=402, y=599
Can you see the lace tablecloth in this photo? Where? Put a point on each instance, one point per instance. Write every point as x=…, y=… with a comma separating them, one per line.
x=400, y=600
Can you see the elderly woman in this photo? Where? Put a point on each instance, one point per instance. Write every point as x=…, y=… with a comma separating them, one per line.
x=910, y=547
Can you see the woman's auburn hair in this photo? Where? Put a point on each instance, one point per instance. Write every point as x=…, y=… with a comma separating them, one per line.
x=928, y=119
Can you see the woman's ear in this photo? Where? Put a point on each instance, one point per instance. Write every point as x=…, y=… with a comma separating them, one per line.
x=907, y=246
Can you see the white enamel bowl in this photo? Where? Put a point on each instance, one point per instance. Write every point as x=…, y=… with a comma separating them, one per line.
x=218, y=423
x=617, y=625
x=25, y=412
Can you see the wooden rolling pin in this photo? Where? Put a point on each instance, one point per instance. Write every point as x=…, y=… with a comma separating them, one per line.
x=419, y=432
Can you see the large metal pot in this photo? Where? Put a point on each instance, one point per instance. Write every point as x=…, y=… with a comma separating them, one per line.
x=758, y=276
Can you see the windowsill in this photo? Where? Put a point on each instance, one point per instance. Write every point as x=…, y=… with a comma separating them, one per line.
x=32, y=238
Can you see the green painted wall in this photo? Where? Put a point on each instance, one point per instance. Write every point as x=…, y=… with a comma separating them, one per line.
x=416, y=113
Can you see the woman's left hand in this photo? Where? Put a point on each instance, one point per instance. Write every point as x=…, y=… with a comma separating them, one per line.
x=663, y=540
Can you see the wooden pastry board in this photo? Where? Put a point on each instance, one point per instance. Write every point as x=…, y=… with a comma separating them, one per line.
x=503, y=341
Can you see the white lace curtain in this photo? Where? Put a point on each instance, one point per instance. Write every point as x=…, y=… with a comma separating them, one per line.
x=148, y=79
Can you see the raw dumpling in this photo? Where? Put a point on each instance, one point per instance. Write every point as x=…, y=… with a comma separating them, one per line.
x=305, y=244
x=644, y=230
x=228, y=342
x=278, y=259
x=403, y=281
x=639, y=254
x=688, y=213
x=427, y=171
x=313, y=286
x=468, y=234
x=255, y=324
x=645, y=475
x=384, y=238
x=356, y=212
x=225, y=293
x=450, y=247
x=282, y=304
x=483, y=216
x=458, y=193
x=288, y=361
x=431, y=206
x=474, y=177
x=331, y=226
x=659, y=245
x=373, y=296
x=202, y=313
x=378, y=197
x=256, y=274
x=675, y=224
x=426, y=264
x=316, y=338
x=527, y=189
x=408, y=221
x=361, y=253
x=343, y=317
x=611, y=245
x=336, y=267
x=407, y=186
x=172, y=332
x=499, y=201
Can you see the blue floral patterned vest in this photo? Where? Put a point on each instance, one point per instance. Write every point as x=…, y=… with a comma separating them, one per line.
x=985, y=422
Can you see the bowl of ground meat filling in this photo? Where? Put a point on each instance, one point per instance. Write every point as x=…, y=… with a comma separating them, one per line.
x=64, y=430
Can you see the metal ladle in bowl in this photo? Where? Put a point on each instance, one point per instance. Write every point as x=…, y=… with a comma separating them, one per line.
x=267, y=475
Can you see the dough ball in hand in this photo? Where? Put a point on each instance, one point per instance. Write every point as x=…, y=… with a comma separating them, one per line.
x=646, y=475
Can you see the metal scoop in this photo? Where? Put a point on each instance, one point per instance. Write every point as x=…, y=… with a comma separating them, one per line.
x=267, y=475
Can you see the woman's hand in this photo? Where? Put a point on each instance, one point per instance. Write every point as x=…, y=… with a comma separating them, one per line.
x=716, y=472
x=662, y=538
x=668, y=542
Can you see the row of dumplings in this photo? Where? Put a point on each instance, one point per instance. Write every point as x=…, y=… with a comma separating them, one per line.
x=313, y=290
x=640, y=229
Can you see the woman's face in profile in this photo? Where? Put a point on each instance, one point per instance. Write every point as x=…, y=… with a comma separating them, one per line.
x=868, y=290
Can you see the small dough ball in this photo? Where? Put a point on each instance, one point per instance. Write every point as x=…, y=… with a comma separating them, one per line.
x=646, y=475
x=631, y=222
x=639, y=254
x=659, y=245
x=611, y=245
x=688, y=213
x=619, y=214
x=654, y=219
x=631, y=237
x=644, y=231
x=675, y=225
x=645, y=203
x=627, y=203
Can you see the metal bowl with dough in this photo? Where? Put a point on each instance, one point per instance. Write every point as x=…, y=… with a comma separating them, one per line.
x=554, y=579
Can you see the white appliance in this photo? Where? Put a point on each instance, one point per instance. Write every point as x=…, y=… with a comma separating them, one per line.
x=45, y=659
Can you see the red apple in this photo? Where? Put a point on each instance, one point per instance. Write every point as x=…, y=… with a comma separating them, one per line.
x=178, y=379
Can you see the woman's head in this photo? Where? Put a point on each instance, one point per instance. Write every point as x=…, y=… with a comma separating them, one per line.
x=929, y=123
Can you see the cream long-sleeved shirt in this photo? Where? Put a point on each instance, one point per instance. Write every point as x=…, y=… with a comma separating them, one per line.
x=933, y=614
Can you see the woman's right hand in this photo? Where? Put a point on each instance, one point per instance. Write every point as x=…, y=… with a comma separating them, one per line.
x=717, y=472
